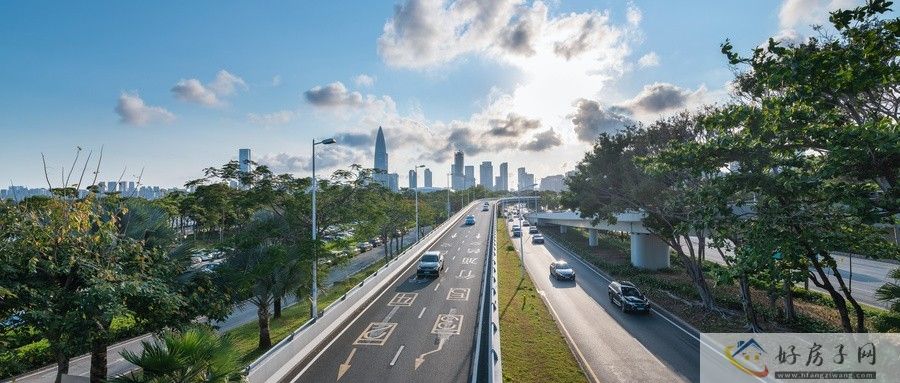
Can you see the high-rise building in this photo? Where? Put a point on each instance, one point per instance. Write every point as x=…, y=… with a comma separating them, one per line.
x=111, y=187
x=393, y=182
x=503, y=185
x=381, y=175
x=555, y=183
x=413, y=181
x=428, y=177
x=497, y=184
x=459, y=178
x=486, y=175
x=525, y=180
x=470, y=177
x=244, y=160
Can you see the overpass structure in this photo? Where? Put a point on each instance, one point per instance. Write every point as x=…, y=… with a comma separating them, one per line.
x=647, y=250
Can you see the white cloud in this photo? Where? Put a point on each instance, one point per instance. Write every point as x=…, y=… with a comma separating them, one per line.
x=336, y=95
x=328, y=158
x=133, y=111
x=192, y=90
x=803, y=13
x=280, y=117
x=276, y=80
x=364, y=80
x=648, y=60
x=659, y=98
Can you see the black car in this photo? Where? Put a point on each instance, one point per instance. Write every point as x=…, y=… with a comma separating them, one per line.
x=562, y=271
x=627, y=296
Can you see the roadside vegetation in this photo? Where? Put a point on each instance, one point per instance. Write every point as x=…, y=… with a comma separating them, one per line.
x=802, y=163
x=533, y=348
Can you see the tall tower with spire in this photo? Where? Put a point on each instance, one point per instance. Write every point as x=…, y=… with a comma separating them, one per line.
x=381, y=156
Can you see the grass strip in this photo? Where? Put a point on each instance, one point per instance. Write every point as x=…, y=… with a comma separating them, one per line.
x=532, y=346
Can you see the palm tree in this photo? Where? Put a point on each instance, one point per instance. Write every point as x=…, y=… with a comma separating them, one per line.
x=194, y=355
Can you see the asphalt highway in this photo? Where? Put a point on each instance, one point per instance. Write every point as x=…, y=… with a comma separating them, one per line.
x=612, y=345
x=417, y=329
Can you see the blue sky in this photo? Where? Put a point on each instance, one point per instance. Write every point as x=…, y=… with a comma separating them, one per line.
x=173, y=87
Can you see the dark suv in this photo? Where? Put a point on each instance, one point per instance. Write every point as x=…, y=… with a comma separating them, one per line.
x=628, y=297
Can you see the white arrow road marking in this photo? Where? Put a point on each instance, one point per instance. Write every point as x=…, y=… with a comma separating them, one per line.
x=478, y=236
x=397, y=355
x=454, y=235
x=342, y=369
x=421, y=358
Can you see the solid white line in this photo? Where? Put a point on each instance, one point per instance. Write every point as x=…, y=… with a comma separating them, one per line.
x=397, y=355
x=571, y=341
x=423, y=312
x=436, y=286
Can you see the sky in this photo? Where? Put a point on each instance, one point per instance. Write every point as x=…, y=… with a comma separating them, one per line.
x=168, y=88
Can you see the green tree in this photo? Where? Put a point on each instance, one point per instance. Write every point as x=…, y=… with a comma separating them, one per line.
x=194, y=355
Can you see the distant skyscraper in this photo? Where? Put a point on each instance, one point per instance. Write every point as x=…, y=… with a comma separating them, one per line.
x=428, y=177
x=525, y=180
x=413, y=182
x=381, y=161
x=111, y=187
x=244, y=160
x=470, y=177
x=393, y=182
x=486, y=175
x=503, y=185
x=497, y=180
x=459, y=177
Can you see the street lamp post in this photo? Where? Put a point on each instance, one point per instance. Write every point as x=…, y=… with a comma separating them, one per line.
x=417, y=200
x=314, y=307
x=522, y=238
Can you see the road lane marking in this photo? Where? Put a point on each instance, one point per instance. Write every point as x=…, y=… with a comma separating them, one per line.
x=436, y=286
x=454, y=235
x=421, y=358
x=458, y=294
x=391, y=314
x=397, y=355
x=342, y=369
x=447, y=324
x=375, y=334
x=469, y=260
x=423, y=312
x=472, y=251
x=403, y=299
x=459, y=248
x=465, y=274
x=478, y=236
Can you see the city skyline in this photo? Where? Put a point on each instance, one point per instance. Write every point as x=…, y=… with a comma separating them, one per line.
x=152, y=103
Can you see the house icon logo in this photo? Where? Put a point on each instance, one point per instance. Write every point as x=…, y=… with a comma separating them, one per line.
x=747, y=357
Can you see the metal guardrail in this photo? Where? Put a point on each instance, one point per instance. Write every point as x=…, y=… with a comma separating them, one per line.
x=491, y=322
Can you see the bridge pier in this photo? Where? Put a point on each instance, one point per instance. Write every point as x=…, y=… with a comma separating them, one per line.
x=649, y=252
x=593, y=239
x=563, y=229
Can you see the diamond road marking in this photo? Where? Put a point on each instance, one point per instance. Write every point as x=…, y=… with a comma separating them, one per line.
x=403, y=299
x=376, y=334
x=447, y=324
x=458, y=294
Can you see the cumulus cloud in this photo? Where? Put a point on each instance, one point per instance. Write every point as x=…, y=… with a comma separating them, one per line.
x=802, y=13
x=589, y=31
x=364, y=80
x=192, y=90
x=280, y=117
x=329, y=158
x=591, y=119
x=648, y=60
x=662, y=97
x=362, y=140
x=133, y=111
x=542, y=141
x=513, y=126
x=520, y=36
x=337, y=95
